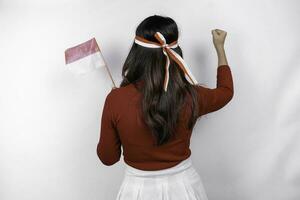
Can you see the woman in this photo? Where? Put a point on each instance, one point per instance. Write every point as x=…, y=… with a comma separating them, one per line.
x=153, y=112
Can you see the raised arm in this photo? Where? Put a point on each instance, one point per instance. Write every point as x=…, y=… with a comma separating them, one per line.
x=212, y=99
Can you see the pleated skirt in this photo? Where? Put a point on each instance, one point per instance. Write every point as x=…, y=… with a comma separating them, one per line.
x=181, y=182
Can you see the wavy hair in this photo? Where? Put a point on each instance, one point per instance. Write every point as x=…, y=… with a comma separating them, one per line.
x=160, y=109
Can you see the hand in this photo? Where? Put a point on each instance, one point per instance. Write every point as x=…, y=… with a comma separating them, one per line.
x=218, y=38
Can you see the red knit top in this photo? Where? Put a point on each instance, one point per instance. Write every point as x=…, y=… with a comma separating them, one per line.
x=122, y=126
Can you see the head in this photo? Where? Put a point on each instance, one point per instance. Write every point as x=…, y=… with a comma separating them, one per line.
x=161, y=109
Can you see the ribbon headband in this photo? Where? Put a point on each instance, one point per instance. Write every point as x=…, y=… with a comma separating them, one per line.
x=167, y=50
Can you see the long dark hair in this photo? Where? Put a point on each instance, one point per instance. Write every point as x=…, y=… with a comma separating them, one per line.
x=160, y=109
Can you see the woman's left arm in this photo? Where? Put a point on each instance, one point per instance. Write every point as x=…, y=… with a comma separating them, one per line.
x=109, y=146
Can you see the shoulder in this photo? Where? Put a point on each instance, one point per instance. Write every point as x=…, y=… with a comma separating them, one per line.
x=201, y=88
x=118, y=94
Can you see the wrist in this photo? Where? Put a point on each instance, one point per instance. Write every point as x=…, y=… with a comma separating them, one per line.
x=220, y=49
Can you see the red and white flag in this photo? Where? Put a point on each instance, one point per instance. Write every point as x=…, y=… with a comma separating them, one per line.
x=85, y=57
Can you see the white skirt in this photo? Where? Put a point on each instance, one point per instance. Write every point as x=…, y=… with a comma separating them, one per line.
x=181, y=182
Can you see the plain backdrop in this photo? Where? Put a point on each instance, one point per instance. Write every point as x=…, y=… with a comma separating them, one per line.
x=50, y=118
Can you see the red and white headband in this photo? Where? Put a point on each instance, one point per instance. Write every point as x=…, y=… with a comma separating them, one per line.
x=167, y=50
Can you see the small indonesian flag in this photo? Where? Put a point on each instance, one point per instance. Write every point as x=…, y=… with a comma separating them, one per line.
x=85, y=57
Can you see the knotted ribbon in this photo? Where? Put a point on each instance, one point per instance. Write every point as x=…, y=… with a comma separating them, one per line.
x=168, y=52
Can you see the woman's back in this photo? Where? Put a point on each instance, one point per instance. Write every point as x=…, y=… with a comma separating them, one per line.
x=123, y=125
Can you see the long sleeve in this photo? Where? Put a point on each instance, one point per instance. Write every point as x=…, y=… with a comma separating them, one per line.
x=109, y=146
x=212, y=99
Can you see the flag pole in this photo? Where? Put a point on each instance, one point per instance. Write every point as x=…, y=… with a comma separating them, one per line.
x=107, y=69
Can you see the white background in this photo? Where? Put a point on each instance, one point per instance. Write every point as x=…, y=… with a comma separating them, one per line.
x=50, y=118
